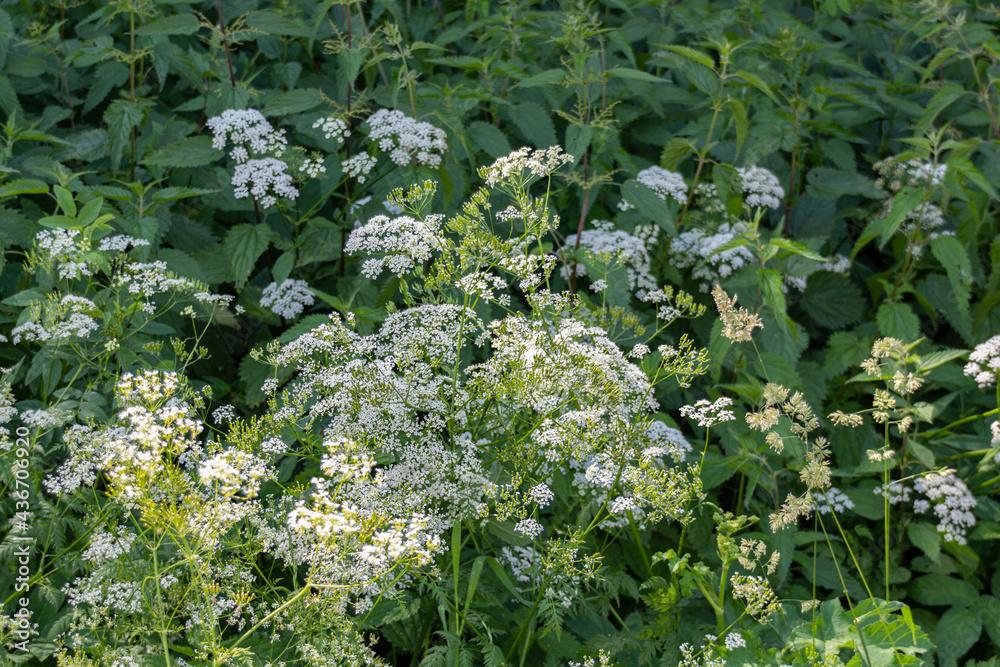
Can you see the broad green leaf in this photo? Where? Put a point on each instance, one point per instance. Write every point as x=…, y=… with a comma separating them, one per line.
x=190, y=152
x=244, y=244
x=274, y=23
x=692, y=54
x=121, y=118
x=178, y=24
x=956, y=632
x=174, y=193
x=283, y=267
x=634, y=75
x=830, y=183
x=649, y=204
x=545, y=78
x=294, y=101
x=926, y=538
x=489, y=139
x=833, y=301
x=897, y=320
x=578, y=139
x=8, y=98
x=674, y=151
x=65, y=199
x=771, y=283
x=740, y=120
x=967, y=169
x=938, y=590
x=989, y=607
x=796, y=248
x=534, y=122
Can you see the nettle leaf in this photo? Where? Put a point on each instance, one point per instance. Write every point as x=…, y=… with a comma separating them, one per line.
x=833, y=301
x=634, y=75
x=545, y=78
x=674, y=151
x=179, y=24
x=8, y=97
x=926, y=538
x=897, y=320
x=121, y=118
x=489, y=139
x=23, y=186
x=190, y=152
x=273, y=23
x=107, y=77
x=955, y=260
x=649, y=204
x=956, y=632
x=534, y=122
x=294, y=101
x=830, y=183
x=938, y=590
x=989, y=606
x=244, y=244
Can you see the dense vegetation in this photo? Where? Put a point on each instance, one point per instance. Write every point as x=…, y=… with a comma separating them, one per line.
x=306, y=361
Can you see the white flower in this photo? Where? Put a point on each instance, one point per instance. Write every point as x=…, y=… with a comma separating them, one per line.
x=406, y=241
x=951, y=501
x=708, y=414
x=265, y=180
x=761, y=187
x=529, y=527
x=288, y=299
x=406, y=139
x=664, y=183
x=246, y=128
x=831, y=500
x=734, y=640
x=120, y=243
x=617, y=249
x=538, y=163
x=541, y=494
x=359, y=166
x=333, y=128
x=984, y=363
x=698, y=248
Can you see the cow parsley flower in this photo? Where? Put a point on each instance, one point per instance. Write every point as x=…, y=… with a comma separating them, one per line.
x=265, y=180
x=246, y=129
x=950, y=500
x=709, y=414
x=406, y=139
x=333, y=128
x=616, y=248
x=696, y=248
x=734, y=640
x=511, y=168
x=984, y=363
x=664, y=183
x=760, y=187
x=359, y=166
x=405, y=241
x=831, y=500
x=287, y=299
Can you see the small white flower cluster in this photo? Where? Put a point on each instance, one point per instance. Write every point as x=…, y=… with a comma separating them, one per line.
x=664, y=183
x=734, y=640
x=836, y=264
x=831, y=500
x=60, y=246
x=233, y=471
x=760, y=187
x=406, y=139
x=257, y=148
x=697, y=248
x=616, y=248
x=70, y=317
x=265, y=180
x=895, y=174
x=405, y=241
x=984, y=363
x=603, y=660
x=359, y=166
x=995, y=433
x=333, y=128
x=898, y=492
x=481, y=284
x=709, y=414
x=704, y=658
x=538, y=163
x=46, y=419
x=288, y=299
x=120, y=243
x=951, y=501
x=246, y=128
x=529, y=527
x=666, y=441
x=108, y=545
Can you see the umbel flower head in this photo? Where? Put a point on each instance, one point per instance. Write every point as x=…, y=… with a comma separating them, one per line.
x=257, y=149
x=984, y=363
x=407, y=140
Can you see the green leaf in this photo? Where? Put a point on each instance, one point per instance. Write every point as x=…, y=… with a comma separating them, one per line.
x=578, y=138
x=121, y=118
x=294, y=101
x=740, y=119
x=967, y=169
x=8, y=98
x=674, y=151
x=926, y=538
x=648, y=203
x=545, y=78
x=832, y=300
x=106, y=77
x=758, y=83
x=843, y=351
x=796, y=248
x=65, y=199
x=771, y=291
x=174, y=193
x=274, y=23
x=489, y=139
x=897, y=320
x=830, y=183
x=955, y=260
x=989, y=607
x=90, y=211
x=956, y=632
x=283, y=267
x=634, y=75
x=190, y=152
x=942, y=99
x=938, y=590
x=179, y=24
x=935, y=359
x=244, y=244
x=692, y=54
x=534, y=122
x=24, y=186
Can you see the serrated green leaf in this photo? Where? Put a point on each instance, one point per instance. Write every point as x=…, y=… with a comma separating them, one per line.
x=956, y=632
x=939, y=590
x=967, y=169
x=649, y=204
x=740, y=120
x=244, y=244
x=179, y=24
x=294, y=101
x=692, y=54
x=634, y=75
x=830, y=183
x=534, y=122
x=489, y=139
x=190, y=152
x=758, y=83
x=832, y=300
x=926, y=538
x=545, y=78
x=8, y=97
x=174, y=193
x=796, y=248
x=674, y=151
x=897, y=320
x=274, y=23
